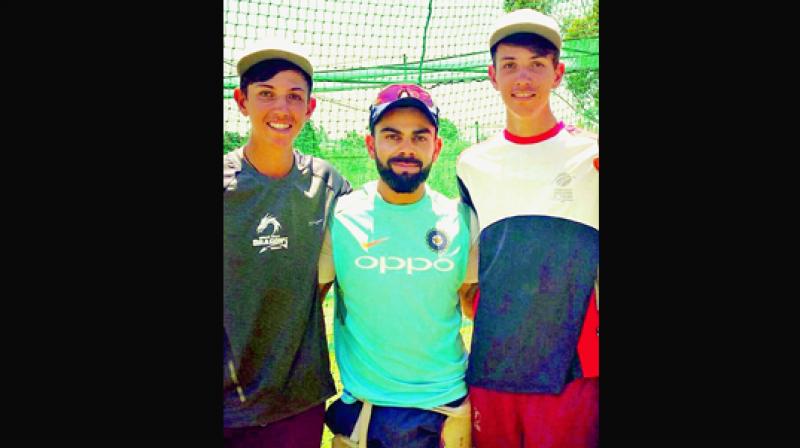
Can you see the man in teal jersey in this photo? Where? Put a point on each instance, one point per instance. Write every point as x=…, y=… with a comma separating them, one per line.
x=400, y=254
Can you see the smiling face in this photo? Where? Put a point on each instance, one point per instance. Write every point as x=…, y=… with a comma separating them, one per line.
x=524, y=80
x=278, y=108
x=404, y=147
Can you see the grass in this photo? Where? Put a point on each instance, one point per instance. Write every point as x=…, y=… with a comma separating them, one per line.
x=327, y=308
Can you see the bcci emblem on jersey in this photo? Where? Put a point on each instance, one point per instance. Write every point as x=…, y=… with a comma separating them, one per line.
x=436, y=239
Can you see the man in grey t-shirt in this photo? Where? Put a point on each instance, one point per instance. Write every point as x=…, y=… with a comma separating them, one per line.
x=276, y=373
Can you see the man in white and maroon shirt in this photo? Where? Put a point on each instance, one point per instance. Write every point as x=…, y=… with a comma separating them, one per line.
x=533, y=372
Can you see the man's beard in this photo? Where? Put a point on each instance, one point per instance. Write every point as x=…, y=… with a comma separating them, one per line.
x=405, y=182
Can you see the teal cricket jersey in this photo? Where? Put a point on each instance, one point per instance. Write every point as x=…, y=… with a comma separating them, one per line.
x=397, y=313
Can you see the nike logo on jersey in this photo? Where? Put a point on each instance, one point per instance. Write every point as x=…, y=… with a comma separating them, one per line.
x=369, y=244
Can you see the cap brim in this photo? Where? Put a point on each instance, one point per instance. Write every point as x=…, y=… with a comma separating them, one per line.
x=544, y=31
x=380, y=111
x=255, y=57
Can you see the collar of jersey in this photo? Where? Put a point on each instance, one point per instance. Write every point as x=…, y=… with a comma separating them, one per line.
x=535, y=138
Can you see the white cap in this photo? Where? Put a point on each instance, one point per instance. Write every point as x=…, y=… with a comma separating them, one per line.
x=526, y=21
x=273, y=48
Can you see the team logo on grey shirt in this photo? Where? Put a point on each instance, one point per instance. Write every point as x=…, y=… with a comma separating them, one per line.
x=273, y=240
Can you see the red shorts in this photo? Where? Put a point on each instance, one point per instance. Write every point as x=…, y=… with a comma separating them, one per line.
x=567, y=420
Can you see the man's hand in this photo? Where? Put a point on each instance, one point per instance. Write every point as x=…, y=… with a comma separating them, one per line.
x=323, y=290
x=467, y=293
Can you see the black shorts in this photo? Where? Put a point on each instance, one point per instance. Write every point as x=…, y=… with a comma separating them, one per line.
x=390, y=427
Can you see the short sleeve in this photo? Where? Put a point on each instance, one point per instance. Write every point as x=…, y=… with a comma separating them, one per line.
x=474, y=238
x=327, y=272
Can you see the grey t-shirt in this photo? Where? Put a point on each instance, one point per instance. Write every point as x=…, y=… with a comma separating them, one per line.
x=275, y=360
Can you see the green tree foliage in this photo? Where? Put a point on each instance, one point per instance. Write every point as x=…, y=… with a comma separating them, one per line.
x=543, y=6
x=443, y=173
x=447, y=130
x=452, y=142
x=585, y=84
x=309, y=139
x=352, y=143
x=231, y=141
x=587, y=26
x=349, y=155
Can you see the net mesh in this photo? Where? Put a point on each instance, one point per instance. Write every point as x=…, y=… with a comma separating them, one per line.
x=357, y=47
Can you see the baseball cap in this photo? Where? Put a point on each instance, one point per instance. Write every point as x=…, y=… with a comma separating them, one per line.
x=273, y=47
x=403, y=95
x=526, y=21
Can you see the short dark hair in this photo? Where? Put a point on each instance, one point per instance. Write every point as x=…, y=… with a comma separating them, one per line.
x=265, y=70
x=531, y=41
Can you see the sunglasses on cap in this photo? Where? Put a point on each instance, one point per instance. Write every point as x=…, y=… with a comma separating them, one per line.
x=398, y=95
x=396, y=91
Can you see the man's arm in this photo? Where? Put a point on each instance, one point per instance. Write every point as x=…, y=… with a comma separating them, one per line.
x=466, y=293
x=597, y=289
x=323, y=290
x=325, y=268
